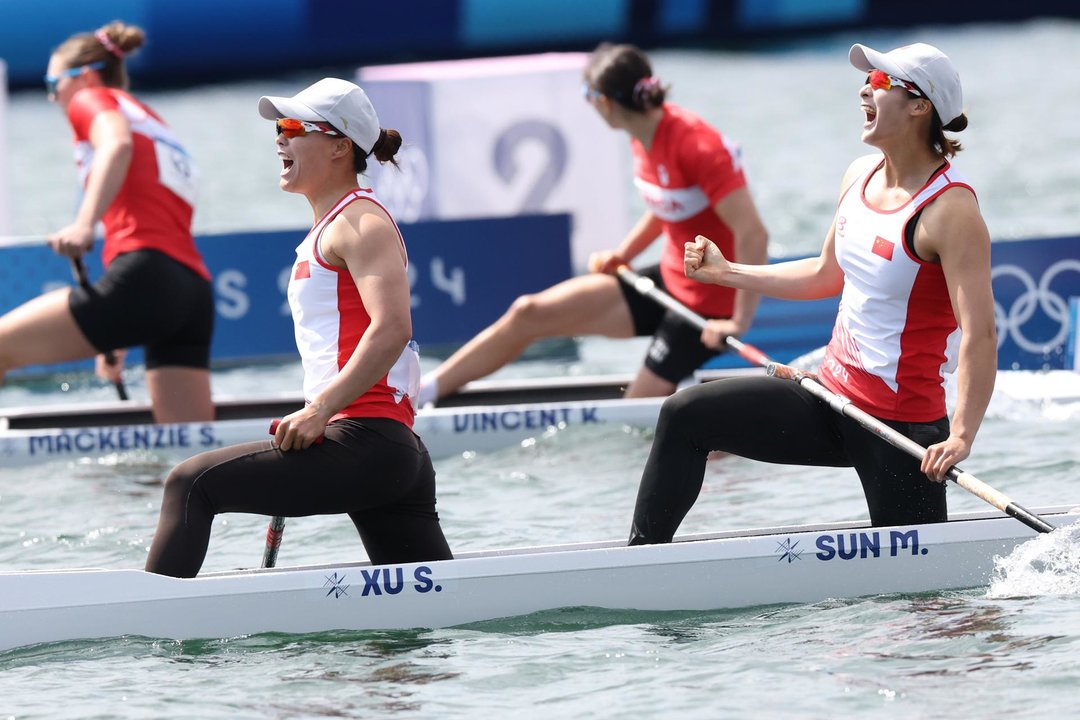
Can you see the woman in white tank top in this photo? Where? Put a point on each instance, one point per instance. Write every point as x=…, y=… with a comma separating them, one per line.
x=351, y=448
x=910, y=253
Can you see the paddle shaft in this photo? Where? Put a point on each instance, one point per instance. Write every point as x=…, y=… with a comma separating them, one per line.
x=276, y=528
x=274, y=531
x=842, y=405
x=81, y=277
x=648, y=288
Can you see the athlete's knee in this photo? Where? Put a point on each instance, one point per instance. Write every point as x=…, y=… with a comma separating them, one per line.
x=180, y=483
x=528, y=313
x=689, y=407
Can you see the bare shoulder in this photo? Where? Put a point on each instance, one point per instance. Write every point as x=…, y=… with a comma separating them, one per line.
x=952, y=224
x=362, y=232
x=954, y=209
x=362, y=221
x=858, y=167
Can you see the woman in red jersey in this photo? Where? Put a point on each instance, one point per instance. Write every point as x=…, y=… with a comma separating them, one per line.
x=139, y=182
x=692, y=182
x=351, y=449
x=910, y=253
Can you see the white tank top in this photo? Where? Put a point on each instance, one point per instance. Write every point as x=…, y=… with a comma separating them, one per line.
x=329, y=318
x=895, y=334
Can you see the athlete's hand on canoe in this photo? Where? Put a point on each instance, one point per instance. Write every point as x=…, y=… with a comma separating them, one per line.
x=943, y=455
x=301, y=429
x=703, y=261
x=605, y=261
x=716, y=332
x=108, y=372
x=72, y=241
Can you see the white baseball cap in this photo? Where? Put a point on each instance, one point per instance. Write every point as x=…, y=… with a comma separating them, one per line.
x=925, y=66
x=338, y=102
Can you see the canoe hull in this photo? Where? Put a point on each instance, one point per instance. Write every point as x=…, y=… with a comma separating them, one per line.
x=736, y=570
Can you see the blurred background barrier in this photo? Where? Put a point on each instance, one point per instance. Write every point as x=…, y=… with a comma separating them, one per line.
x=462, y=278
x=210, y=40
x=5, y=222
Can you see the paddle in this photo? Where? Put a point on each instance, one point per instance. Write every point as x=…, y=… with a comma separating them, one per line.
x=79, y=269
x=274, y=531
x=276, y=528
x=840, y=404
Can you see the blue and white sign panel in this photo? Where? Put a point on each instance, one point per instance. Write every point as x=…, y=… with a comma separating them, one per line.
x=502, y=136
x=5, y=222
x=463, y=273
x=1033, y=281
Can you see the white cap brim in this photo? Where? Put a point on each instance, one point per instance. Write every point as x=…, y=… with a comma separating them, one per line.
x=341, y=103
x=867, y=59
x=273, y=108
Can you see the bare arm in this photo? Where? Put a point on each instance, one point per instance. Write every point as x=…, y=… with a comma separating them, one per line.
x=645, y=231
x=805, y=279
x=367, y=244
x=952, y=231
x=110, y=134
x=751, y=240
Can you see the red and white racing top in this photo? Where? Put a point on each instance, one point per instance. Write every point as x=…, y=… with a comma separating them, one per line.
x=329, y=318
x=688, y=169
x=154, y=206
x=895, y=334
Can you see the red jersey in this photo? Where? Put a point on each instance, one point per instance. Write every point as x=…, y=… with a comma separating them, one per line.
x=153, y=209
x=689, y=168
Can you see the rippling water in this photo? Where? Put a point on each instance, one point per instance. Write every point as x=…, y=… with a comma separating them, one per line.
x=1010, y=650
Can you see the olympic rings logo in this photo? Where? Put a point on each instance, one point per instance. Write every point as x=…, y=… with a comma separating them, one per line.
x=1035, y=296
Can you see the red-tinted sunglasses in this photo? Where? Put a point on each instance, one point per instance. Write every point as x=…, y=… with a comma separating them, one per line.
x=292, y=128
x=882, y=81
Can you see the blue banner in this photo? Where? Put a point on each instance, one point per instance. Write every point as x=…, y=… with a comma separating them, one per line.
x=1033, y=281
x=463, y=274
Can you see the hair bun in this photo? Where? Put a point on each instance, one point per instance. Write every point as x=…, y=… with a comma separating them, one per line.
x=648, y=92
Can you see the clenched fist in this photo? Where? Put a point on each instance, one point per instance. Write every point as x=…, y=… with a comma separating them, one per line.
x=703, y=261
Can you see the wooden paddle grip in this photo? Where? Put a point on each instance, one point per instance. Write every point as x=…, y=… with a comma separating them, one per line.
x=785, y=372
x=977, y=487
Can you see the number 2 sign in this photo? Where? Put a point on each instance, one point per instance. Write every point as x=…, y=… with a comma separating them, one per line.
x=502, y=136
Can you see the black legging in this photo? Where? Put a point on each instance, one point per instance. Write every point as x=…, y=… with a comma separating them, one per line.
x=376, y=470
x=777, y=421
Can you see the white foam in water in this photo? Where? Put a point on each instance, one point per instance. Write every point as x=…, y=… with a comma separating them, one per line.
x=1045, y=565
x=1021, y=395
x=1018, y=394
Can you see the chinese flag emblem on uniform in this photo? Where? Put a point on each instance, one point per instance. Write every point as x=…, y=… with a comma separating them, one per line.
x=883, y=247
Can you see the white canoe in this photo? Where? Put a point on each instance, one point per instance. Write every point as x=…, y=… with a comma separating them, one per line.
x=445, y=431
x=797, y=564
x=486, y=416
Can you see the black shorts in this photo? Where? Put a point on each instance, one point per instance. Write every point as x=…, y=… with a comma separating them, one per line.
x=676, y=350
x=147, y=298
